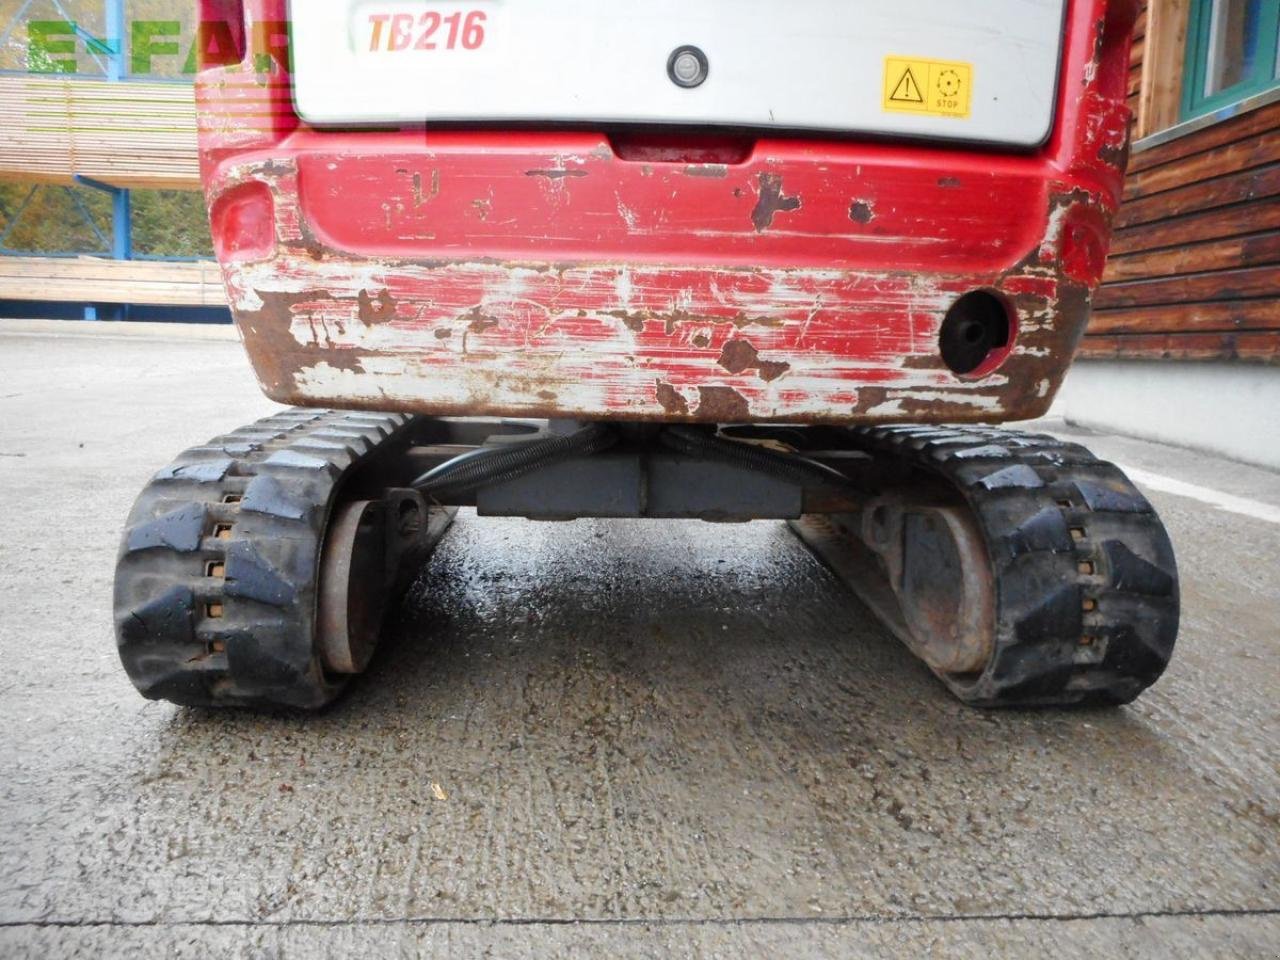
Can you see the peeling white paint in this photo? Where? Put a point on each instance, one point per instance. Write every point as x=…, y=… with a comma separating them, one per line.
x=628, y=215
x=889, y=408
x=980, y=401
x=622, y=287
x=547, y=331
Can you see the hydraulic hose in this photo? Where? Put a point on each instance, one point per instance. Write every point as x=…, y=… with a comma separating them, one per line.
x=783, y=466
x=490, y=465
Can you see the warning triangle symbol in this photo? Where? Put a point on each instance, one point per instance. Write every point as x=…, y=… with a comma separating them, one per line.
x=907, y=90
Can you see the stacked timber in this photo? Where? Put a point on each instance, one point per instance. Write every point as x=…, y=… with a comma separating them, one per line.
x=95, y=280
x=128, y=133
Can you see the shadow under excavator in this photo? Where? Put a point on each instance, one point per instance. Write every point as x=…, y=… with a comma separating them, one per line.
x=634, y=633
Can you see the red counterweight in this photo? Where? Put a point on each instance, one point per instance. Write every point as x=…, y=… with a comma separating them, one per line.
x=672, y=275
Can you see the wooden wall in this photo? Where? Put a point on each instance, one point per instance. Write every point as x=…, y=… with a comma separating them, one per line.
x=1194, y=272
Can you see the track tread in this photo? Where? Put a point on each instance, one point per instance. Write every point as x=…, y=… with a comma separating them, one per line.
x=1086, y=581
x=215, y=588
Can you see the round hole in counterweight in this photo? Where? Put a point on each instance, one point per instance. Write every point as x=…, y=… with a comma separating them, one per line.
x=975, y=332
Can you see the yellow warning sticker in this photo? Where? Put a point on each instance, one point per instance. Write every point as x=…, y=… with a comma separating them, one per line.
x=935, y=88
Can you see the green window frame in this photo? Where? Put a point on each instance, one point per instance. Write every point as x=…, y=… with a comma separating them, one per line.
x=1262, y=73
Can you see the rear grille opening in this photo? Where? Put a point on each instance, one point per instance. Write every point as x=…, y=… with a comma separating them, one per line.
x=676, y=147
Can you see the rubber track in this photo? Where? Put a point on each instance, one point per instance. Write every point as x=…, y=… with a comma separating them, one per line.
x=215, y=592
x=1086, y=582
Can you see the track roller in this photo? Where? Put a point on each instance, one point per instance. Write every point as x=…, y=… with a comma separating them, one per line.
x=1034, y=574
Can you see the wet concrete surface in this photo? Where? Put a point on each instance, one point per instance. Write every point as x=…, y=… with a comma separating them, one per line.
x=602, y=738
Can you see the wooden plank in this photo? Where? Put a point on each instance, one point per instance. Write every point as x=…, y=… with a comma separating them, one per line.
x=130, y=133
x=1204, y=195
x=1218, y=285
x=1134, y=86
x=1221, y=317
x=1248, y=251
x=192, y=271
x=1245, y=154
x=1198, y=227
x=1135, y=56
x=94, y=280
x=1163, y=45
x=1239, y=127
x=1262, y=347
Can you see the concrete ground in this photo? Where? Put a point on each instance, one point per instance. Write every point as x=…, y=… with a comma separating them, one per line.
x=623, y=739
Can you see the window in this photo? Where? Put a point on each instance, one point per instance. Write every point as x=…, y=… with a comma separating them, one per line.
x=1232, y=50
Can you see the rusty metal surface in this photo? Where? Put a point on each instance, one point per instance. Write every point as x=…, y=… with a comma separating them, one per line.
x=939, y=572
x=537, y=274
x=352, y=575
x=370, y=550
x=947, y=590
